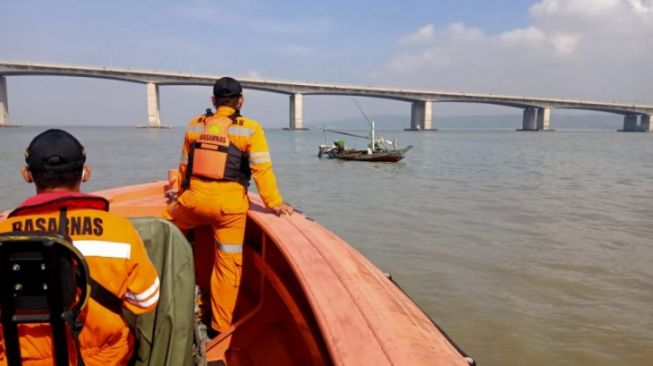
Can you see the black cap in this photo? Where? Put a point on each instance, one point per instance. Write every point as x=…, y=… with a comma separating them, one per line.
x=227, y=87
x=55, y=150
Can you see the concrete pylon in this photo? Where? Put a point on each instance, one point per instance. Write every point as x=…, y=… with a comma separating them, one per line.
x=544, y=119
x=296, y=112
x=645, y=124
x=421, y=116
x=153, y=107
x=528, y=120
x=414, y=120
x=427, y=122
x=4, y=103
x=630, y=123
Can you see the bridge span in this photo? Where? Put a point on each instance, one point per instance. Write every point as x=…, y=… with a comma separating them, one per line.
x=536, y=111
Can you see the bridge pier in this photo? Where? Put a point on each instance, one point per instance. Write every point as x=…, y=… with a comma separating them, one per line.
x=536, y=119
x=4, y=103
x=421, y=116
x=645, y=124
x=630, y=123
x=544, y=119
x=528, y=120
x=153, y=106
x=296, y=112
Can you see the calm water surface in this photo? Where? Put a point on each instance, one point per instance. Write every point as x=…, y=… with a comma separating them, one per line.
x=527, y=248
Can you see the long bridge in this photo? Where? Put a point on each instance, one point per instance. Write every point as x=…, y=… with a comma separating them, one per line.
x=536, y=111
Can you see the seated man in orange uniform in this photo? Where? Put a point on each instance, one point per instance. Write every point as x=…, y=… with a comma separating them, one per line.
x=114, y=252
x=221, y=152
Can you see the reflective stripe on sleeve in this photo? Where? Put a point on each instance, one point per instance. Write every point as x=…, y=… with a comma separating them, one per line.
x=106, y=249
x=259, y=157
x=145, y=298
x=196, y=129
x=230, y=248
x=183, y=159
x=259, y=161
x=240, y=131
x=260, y=154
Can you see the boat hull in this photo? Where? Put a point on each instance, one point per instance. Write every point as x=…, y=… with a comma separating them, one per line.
x=391, y=156
x=307, y=297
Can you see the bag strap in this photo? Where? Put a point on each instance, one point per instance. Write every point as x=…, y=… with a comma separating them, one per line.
x=106, y=298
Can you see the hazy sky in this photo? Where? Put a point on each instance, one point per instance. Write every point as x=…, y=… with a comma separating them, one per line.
x=585, y=49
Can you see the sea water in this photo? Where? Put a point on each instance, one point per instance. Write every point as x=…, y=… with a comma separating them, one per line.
x=526, y=248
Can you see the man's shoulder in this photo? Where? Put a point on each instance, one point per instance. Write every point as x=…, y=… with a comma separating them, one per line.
x=196, y=125
x=248, y=122
x=114, y=225
x=113, y=218
x=5, y=223
x=197, y=119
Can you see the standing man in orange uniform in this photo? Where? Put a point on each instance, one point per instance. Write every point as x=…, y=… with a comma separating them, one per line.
x=114, y=252
x=221, y=152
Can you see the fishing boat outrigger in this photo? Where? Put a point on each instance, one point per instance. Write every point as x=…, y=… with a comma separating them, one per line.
x=307, y=297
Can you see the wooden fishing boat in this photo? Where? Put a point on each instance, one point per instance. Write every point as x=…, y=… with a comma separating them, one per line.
x=385, y=156
x=307, y=297
x=379, y=149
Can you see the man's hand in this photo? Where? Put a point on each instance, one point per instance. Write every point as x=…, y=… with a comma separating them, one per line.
x=171, y=195
x=283, y=209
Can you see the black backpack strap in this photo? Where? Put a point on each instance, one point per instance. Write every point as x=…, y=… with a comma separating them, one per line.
x=76, y=327
x=69, y=317
x=105, y=297
x=234, y=116
x=63, y=224
x=189, y=167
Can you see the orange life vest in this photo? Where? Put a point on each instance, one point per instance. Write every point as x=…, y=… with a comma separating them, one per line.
x=214, y=157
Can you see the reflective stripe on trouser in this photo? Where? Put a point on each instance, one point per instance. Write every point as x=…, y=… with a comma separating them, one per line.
x=228, y=233
x=225, y=283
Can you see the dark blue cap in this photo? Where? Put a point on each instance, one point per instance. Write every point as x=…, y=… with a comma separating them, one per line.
x=227, y=87
x=55, y=150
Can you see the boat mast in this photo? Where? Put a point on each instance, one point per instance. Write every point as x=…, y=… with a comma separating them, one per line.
x=324, y=130
x=369, y=121
x=372, y=133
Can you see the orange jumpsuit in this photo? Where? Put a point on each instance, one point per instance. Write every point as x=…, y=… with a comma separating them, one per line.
x=223, y=205
x=116, y=259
